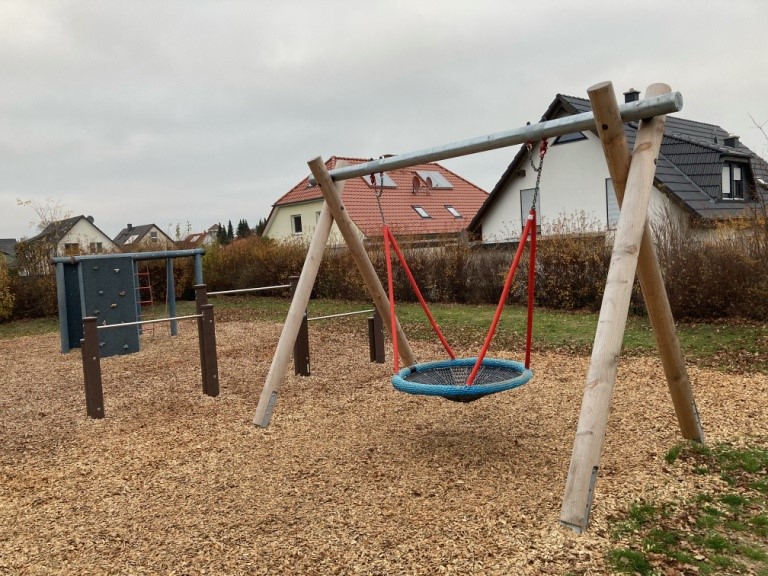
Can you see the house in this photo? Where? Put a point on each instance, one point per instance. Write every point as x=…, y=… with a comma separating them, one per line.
x=8, y=250
x=704, y=177
x=67, y=237
x=423, y=202
x=198, y=239
x=73, y=236
x=145, y=237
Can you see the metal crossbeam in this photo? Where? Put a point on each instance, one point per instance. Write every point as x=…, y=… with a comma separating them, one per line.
x=153, y=321
x=638, y=110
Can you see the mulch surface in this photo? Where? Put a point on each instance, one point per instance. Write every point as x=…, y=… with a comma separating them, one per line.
x=351, y=477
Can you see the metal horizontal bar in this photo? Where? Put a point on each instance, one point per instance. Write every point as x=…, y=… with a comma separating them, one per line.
x=134, y=255
x=638, y=110
x=241, y=290
x=152, y=321
x=340, y=315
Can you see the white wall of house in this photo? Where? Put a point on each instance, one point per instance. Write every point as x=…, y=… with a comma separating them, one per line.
x=88, y=238
x=157, y=239
x=281, y=225
x=573, y=187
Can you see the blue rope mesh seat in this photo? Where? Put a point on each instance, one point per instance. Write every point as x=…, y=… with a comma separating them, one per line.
x=447, y=378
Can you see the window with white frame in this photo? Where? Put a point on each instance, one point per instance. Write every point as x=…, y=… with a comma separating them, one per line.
x=296, y=224
x=611, y=205
x=153, y=236
x=421, y=212
x=455, y=213
x=96, y=248
x=733, y=181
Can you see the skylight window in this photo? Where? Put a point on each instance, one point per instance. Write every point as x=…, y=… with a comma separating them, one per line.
x=132, y=239
x=434, y=179
x=375, y=179
x=455, y=213
x=421, y=212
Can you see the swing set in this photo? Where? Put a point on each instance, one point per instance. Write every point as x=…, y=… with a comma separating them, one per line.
x=632, y=174
x=466, y=379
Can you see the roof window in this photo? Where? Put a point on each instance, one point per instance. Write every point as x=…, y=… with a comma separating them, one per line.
x=131, y=238
x=434, y=179
x=455, y=213
x=572, y=137
x=376, y=180
x=421, y=212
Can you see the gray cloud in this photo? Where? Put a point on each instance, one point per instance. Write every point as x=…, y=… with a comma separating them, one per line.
x=175, y=111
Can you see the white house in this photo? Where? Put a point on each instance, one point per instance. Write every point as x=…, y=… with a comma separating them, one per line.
x=704, y=176
x=73, y=236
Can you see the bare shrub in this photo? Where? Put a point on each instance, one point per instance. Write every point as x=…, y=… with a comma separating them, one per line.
x=7, y=297
x=571, y=265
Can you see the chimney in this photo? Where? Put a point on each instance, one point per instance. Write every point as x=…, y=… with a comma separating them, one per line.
x=732, y=141
x=130, y=226
x=631, y=95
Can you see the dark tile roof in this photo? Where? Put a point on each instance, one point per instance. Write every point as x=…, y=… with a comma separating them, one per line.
x=55, y=231
x=130, y=230
x=397, y=203
x=8, y=246
x=689, y=168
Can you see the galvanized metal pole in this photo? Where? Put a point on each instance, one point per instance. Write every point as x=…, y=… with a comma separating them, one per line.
x=638, y=110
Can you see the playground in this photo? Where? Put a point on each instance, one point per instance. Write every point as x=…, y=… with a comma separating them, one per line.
x=350, y=477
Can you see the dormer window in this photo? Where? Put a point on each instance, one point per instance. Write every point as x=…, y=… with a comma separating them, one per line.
x=733, y=181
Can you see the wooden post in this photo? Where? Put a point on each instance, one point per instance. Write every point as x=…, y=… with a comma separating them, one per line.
x=296, y=312
x=208, y=352
x=201, y=299
x=331, y=193
x=89, y=347
x=376, y=338
x=301, y=349
x=601, y=377
x=611, y=129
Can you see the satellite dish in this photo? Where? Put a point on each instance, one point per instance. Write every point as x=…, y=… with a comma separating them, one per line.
x=416, y=184
x=429, y=183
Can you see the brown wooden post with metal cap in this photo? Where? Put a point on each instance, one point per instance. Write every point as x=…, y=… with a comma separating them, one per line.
x=208, y=351
x=601, y=377
x=89, y=347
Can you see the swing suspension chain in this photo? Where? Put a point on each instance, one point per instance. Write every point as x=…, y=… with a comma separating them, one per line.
x=542, y=152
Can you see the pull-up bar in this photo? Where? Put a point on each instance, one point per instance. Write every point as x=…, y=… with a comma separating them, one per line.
x=638, y=110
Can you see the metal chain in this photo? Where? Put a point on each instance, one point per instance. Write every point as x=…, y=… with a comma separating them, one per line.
x=542, y=153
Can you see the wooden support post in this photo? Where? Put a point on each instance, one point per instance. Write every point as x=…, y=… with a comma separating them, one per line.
x=376, y=338
x=89, y=347
x=208, y=352
x=201, y=299
x=296, y=312
x=601, y=377
x=332, y=195
x=301, y=349
x=611, y=129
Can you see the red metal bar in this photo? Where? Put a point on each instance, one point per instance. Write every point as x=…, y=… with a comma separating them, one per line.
x=502, y=300
x=531, y=284
x=423, y=303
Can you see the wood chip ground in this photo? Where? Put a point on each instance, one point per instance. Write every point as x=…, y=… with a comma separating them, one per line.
x=352, y=477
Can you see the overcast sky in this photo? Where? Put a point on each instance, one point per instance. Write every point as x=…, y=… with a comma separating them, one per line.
x=193, y=112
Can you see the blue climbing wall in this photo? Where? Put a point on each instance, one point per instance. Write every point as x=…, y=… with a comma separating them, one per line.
x=109, y=294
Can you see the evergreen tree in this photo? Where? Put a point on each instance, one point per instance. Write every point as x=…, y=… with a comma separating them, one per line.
x=230, y=232
x=221, y=235
x=260, y=226
x=243, y=230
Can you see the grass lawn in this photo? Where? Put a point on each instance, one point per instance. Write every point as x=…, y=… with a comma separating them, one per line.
x=729, y=345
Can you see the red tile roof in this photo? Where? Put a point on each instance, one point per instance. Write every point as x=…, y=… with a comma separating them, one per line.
x=359, y=198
